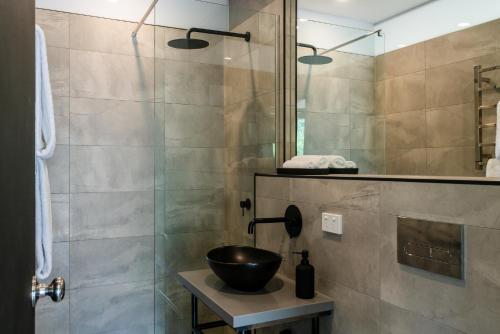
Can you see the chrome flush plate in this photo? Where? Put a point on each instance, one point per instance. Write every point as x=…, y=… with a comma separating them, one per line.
x=432, y=246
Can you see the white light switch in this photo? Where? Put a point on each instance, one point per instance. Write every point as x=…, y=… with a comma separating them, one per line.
x=331, y=223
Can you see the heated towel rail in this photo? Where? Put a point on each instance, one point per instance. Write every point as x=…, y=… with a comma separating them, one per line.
x=479, y=88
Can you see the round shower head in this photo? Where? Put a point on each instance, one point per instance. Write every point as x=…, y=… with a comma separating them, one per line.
x=188, y=43
x=315, y=60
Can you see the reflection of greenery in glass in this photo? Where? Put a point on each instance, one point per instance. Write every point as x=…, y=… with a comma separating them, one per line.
x=301, y=125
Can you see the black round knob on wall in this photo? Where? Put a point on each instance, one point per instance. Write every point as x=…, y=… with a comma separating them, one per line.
x=246, y=204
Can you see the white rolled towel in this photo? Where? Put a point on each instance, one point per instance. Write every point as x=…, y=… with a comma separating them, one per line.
x=493, y=168
x=311, y=163
x=350, y=164
x=333, y=161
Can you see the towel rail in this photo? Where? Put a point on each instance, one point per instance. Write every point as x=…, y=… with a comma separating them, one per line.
x=479, y=80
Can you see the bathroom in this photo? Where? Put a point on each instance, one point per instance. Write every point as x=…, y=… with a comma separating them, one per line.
x=189, y=136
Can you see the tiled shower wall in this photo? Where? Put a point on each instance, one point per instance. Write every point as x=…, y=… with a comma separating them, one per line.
x=336, y=110
x=426, y=93
x=372, y=293
x=102, y=175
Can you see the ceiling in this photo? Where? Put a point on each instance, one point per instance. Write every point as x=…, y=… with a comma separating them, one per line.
x=371, y=11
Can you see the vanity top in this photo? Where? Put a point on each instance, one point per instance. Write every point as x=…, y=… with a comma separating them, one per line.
x=277, y=302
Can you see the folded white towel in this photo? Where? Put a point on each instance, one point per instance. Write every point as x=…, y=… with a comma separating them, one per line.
x=334, y=161
x=308, y=164
x=493, y=168
x=319, y=160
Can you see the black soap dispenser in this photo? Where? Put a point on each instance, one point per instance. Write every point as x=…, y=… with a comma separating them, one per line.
x=304, y=277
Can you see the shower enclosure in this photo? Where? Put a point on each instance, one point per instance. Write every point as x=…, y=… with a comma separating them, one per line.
x=216, y=97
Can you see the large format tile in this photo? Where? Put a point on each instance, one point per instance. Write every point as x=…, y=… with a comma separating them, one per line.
x=193, y=83
x=193, y=126
x=194, y=249
x=450, y=126
x=405, y=93
x=325, y=94
x=111, y=122
x=60, y=217
x=107, y=76
x=405, y=130
x=406, y=60
x=404, y=161
x=194, y=159
x=110, y=36
x=107, y=169
x=354, y=312
x=470, y=43
x=326, y=133
x=111, y=261
x=369, y=161
x=452, y=161
x=111, y=215
x=194, y=210
x=394, y=320
x=367, y=132
x=52, y=318
x=61, y=118
x=55, y=26
x=122, y=308
x=59, y=63
x=450, y=84
x=362, y=97
x=58, y=166
x=471, y=204
x=193, y=180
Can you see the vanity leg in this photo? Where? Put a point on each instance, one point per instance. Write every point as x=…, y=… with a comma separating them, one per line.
x=315, y=325
x=194, y=314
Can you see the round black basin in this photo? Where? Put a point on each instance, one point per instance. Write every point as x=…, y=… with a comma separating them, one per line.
x=244, y=268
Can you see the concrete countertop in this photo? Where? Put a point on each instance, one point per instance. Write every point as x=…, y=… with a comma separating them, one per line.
x=276, y=303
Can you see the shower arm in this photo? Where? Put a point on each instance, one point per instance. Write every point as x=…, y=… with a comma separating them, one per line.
x=304, y=45
x=144, y=17
x=378, y=32
x=246, y=36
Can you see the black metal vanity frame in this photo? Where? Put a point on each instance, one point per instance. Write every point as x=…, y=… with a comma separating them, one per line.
x=198, y=328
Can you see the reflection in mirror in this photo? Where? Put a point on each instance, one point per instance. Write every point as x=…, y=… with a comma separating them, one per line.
x=400, y=87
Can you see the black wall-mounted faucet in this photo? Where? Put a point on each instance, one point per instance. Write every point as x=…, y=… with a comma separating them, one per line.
x=292, y=221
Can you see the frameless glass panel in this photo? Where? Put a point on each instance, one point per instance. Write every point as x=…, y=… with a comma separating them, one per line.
x=215, y=127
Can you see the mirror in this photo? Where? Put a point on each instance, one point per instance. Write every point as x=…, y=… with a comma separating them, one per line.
x=406, y=87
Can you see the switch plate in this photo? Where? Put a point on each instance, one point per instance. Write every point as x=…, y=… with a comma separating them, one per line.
x=331, y=223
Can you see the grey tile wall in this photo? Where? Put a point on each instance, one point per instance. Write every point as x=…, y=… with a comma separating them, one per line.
x=337, y=105
x=102, y=175
x=430, y=84
x=371, y=291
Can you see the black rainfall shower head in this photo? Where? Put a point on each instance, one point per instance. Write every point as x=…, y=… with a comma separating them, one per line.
x=314, y=59
x=188, y=43
x=192, y=43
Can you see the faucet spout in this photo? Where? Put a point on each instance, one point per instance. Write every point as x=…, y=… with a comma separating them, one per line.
x=251, y=225
x=292, y=221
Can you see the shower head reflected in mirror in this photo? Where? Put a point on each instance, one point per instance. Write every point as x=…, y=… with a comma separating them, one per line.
x=189, y=43
x=313, y=59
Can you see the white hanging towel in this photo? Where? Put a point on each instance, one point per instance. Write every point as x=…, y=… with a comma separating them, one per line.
x=45, y=143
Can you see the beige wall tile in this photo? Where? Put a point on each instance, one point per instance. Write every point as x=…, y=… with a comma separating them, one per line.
x=407, y=60
x=450, y=84
x=362, y=96
x=451, y=126
x=367, y=132
x=451, y=161
x=55, y=26
x=58, y=59
x=406, y=161
x=405, y=130
x=110, y=36
x=461, y=45
x=107, y=76
x=405, y=93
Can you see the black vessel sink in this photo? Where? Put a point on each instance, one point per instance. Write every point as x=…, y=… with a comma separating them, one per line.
x=244, y=268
